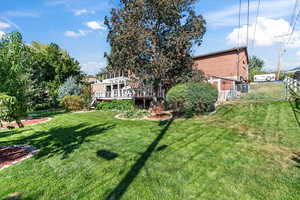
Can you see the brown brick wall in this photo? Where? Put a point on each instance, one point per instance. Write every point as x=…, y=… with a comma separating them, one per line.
x=223, y=64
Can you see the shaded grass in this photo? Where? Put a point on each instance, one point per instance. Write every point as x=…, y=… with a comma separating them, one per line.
x=223, y=156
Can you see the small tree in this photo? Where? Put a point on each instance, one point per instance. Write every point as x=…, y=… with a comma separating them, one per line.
x=14, y=60
x=69, y=88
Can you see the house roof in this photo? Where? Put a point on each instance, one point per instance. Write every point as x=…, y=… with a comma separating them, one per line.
x=237, y=49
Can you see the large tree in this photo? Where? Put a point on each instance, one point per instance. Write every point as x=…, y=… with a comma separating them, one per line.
x=50, y=67
x=154, y=39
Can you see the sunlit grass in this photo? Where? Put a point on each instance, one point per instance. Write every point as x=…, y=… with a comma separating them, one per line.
x=241, y=152
x=265, y=91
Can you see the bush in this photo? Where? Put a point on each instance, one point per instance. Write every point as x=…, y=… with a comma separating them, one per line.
x=72, y=103
x=136, y=113
x=122, y=105
x=192, y=98
x=86, y=96
x=69, y=88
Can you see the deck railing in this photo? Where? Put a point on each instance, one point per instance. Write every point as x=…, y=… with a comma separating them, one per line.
x=127, y=94
x=292, y=85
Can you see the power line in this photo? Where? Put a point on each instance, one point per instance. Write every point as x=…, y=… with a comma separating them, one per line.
x=239, y=23
x=248, y=22
x=255, y=25
x=282, y=50
x=293, y=29
x=238, y=57
x=293, y=22
x=294, y=12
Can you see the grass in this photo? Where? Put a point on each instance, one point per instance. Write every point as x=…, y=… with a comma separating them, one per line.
x=265, y=91
x=243, y=151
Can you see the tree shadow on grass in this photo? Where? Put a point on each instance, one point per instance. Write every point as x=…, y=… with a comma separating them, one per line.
x=296, y=111
x=123, y=185
x=8, y=133
x=60, y=140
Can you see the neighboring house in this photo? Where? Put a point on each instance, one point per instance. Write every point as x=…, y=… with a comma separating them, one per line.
x=90, y=79
x=120, y=86
x=227, y=70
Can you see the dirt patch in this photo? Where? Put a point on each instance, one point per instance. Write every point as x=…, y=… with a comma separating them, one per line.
x=25, y=122
x=285, y=156
x=10, y=155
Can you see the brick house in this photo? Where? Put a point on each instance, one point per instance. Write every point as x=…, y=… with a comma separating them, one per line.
x=227, y=70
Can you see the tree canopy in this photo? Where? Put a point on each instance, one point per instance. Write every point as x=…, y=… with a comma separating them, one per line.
x=154, y=39
x=255, y=67
x=14, y=62
x=50, y=67
x=33, y=73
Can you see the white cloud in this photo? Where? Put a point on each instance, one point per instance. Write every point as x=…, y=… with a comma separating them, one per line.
x=96, y=25
x=228, y=16
x=74, y=34
x=92, y=68
x=57, y=2
x=298, y=53
x=15, y=13
x=83, y=11
x=4, y=25
x=268, y=32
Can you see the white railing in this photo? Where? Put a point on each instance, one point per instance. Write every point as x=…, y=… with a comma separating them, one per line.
x=115, y=94
x=292, y=84
x=127, y=94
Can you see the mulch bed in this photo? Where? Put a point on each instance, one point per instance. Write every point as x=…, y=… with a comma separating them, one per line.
x=162, y=116
x=10, y=155
x=25, y=122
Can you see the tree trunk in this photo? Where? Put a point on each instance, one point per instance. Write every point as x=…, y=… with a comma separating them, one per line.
x=20, y=124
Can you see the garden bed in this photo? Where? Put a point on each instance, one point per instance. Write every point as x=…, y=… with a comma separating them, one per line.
x=25, y=122
x=158, y=117
x=10, y=155
x=162, y=116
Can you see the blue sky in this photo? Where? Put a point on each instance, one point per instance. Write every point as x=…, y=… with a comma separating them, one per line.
x=77, y=26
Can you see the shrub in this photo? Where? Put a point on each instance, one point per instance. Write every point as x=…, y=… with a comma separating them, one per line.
x=192, y=98
x=136, y=113
x=72, y=103
x=122, y=105
x=86, y=96
x=69, y=88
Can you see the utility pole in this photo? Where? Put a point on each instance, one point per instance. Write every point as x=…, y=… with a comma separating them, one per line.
x=282, y=50
x=280, y=53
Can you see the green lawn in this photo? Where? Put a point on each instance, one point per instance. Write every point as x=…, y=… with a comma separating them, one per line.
x=265, y=91
x=244, y=151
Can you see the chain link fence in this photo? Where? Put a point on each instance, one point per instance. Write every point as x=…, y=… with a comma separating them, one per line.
x=264, y=91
